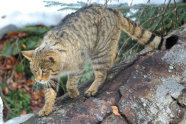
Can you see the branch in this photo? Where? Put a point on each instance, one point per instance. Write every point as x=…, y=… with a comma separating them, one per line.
x=122, y=46
x=162, y=16
x=176, y=10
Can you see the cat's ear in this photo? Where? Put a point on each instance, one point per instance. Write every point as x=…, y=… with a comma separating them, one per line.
x=28, y=54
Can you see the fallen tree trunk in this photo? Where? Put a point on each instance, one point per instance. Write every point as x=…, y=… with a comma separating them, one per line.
x=148, y=88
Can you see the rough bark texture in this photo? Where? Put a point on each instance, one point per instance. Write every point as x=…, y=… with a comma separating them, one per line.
x=149, y=88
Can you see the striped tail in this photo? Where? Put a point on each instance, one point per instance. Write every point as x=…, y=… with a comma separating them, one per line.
x=146, y=37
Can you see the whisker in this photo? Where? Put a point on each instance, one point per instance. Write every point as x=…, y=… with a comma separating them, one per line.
x=33, y=87
x=37, y=85
x=48, y=85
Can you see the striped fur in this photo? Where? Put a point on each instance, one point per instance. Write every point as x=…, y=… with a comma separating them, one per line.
x=145, y=37
x=92, y=33
x=50, y=96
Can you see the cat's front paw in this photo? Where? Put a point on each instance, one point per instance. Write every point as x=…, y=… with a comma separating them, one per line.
x=91, y=92
x=45, y=111
x=73, y=93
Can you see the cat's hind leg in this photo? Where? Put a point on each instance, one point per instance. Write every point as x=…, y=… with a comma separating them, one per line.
x=101, y=64
x=104, y=58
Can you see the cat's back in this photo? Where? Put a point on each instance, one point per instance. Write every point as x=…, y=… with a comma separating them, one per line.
x=91, y=14
x=90, y=26
x=84, y=20
x=88, y=22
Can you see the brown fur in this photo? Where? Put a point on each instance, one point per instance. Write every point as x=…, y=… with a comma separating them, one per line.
x=50, y=96
x=91, y=33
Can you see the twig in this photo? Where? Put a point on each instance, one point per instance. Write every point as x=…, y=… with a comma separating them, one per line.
x=5, y=100
x=153, y=6
x=131, y=3
x=176, y=10
x=106, y=2
x=162, y=16
x=153, y=18
x=13, y=70
x=18, y=48
x=164, y=2
x=130, y=50
x=122, y=46
x=12, y=75
x=143, y=11
x=163, y=28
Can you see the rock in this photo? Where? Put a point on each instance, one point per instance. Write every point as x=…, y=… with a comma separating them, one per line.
x=7, y=29
x=152, y=98
x=145, y=91
x=113, y=119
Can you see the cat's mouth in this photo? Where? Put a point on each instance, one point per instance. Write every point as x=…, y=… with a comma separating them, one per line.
x=42, y=82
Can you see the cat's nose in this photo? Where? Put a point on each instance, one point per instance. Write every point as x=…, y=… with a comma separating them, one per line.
x=38, y=79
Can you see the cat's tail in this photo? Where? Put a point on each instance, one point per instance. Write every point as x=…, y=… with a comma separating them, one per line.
x=146, y=37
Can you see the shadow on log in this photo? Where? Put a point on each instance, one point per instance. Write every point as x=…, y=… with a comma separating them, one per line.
x=148, y=88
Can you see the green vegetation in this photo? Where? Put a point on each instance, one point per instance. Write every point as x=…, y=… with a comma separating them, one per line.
x=35, y=35
x=159, y=19
x=155, y=18
x=15, y=102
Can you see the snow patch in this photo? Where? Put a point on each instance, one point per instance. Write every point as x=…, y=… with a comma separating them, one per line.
x=20, y=119
x=1, y=111
x=22, y=13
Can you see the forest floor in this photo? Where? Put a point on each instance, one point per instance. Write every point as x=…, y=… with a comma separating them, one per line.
x=16, y=81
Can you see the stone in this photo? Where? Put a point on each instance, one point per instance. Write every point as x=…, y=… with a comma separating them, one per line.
x=7, y=29
x=144, y=92
x=113, y=119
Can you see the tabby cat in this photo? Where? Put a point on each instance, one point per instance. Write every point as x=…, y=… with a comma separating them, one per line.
x=91, y=33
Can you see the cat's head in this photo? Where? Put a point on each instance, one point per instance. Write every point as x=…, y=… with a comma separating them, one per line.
x=44, y=65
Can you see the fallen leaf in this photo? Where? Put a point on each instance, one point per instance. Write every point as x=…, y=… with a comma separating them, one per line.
x=41, y=92
x=13, y=86
x=108, y=93
x=24, y=46
x=115, y=111
x=5, y=90
x=23, y=112
x=38, y=43
x=30, y=82
x=22, y=34
x=13, y=34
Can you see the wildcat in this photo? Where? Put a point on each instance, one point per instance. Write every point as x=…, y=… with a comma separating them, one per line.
x=92, y=33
